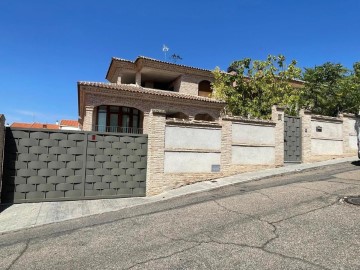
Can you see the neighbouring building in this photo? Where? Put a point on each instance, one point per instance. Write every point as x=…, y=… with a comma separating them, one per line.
x=34, y=125
x=69, y=125
x=64, y=125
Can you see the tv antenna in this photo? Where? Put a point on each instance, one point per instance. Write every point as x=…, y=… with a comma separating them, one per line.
x=165, y=49
x=176, y=57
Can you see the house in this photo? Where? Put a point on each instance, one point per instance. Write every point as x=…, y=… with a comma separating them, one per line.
x=134, y=88
x=64, y=125
x=34, y=125
x=69, y=125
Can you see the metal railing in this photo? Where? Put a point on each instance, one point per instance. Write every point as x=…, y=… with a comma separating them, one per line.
x=118, y=129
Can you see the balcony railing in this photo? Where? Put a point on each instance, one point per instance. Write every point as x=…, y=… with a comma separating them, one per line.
x=117, y=129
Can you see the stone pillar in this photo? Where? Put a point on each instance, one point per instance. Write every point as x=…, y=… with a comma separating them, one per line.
x=226, y=144
x=277, y=116
x=155, y=181
x=138, y=78
x=349, y=130
x=119, y=79
x=305, y=118
x=89, y=118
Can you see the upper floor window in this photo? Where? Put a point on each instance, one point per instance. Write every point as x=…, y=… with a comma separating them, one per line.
x=204, y=89
x=119, y=119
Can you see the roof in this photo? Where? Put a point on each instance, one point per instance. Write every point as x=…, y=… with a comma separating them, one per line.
x=164, y=62
x=69, y=123
x=139, y=58
x=142, y=90
x=34, y=125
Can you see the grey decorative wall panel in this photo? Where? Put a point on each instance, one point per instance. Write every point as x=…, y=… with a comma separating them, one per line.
x=292, y=139
x=50, y=165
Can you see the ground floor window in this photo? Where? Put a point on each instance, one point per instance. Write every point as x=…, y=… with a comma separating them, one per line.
x=119, y=119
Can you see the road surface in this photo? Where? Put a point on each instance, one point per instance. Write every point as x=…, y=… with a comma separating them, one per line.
x=295, y=221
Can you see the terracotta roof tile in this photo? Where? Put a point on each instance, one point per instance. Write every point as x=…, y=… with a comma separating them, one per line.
x=34, y=125
x=69, y=123
x=138, y=89
x=21, y=125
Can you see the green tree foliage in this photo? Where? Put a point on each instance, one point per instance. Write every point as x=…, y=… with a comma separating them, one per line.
x=250, y=88
x=331, y=89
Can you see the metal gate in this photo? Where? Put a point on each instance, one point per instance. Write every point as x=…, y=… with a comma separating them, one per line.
x=292, y=139
x=50, y=165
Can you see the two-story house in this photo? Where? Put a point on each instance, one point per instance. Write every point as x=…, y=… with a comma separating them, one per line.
x=136, y=87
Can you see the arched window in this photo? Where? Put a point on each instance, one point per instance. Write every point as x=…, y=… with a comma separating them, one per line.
x=204, y=89
x=119, y=119
x=177, y=115
x=204, y=117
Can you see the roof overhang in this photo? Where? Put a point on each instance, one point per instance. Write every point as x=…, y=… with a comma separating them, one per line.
x=142, y=93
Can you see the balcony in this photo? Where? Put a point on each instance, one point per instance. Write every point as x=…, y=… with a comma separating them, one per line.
x=118, y=129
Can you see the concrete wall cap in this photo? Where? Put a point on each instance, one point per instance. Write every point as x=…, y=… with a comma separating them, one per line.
x=326, y=118
x=247, y=120
x=192, y=123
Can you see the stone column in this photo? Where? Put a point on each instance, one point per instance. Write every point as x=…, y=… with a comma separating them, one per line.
x=226, y=144
x=138, y=78
x=119, y=79
x=155, y=182
x=305, y=117
x=349, y=131
x=277, y=116
x=89, y=118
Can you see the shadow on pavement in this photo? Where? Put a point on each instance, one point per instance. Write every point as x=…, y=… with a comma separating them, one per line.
x=356, y=163
x=4, y=206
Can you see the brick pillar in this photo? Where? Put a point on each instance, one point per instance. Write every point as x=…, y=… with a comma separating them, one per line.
x=89, y=118
x=305, y=135
x=277, y=116
x=146, y=123
x=226, y=144
x=155, y=183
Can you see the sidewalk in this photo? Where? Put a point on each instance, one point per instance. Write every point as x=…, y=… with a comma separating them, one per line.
x=28, y=215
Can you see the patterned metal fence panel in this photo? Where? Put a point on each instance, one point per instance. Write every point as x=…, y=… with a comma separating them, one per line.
x=50, y=165
x=292, y=139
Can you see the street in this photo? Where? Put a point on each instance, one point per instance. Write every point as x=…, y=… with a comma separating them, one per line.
x=295, y=221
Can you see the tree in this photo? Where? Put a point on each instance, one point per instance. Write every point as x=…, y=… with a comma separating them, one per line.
x=331, y=89
x=250, y=88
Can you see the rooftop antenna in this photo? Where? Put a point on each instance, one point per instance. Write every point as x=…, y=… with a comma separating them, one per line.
x=175, y=58
x=165, y=49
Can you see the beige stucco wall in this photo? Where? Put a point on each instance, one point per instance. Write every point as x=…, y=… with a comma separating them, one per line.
x=192, y=137
x=192, y=148
x=183, y=152
x=337, y=138
x=330, y=140
x=253, y=143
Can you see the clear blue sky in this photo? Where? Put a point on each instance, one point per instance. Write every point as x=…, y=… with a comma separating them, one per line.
x=47, y=46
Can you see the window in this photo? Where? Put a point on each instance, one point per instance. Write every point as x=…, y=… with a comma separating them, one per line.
x=204, y=89
x=119, y=119
x=204, y=117
x=177, y=115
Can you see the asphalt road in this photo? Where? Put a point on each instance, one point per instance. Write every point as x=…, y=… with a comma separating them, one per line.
x=289, y=222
